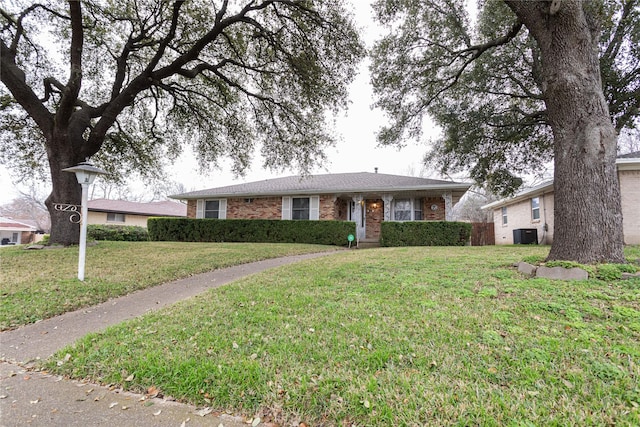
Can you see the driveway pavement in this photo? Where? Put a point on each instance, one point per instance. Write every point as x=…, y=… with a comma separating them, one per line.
x=28, y=397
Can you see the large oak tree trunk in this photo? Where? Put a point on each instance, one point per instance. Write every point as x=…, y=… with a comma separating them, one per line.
x=588, y=213
x=66, y=190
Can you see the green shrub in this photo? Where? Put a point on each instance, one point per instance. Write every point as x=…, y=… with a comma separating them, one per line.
x=250, y=230
x=121, y=233
x=45, y=240
x=425, y=233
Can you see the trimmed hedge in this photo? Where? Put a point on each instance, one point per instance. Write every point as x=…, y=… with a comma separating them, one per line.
x=250, y=230
x=120, y=233
x=425, y=233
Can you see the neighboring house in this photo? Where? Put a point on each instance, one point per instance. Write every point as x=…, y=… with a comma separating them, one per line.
x=121, y=212
x=14, y=232
x=365, y=198
x=533, y=209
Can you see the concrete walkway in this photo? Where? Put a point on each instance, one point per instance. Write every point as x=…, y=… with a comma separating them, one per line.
x=33, y=398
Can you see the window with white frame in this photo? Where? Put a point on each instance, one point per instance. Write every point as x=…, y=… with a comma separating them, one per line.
x=212, y=209
x=115, y=217
x=504, y=215
x=535, y=208
x=300, y=207
x=417, y=210
x=402, y=210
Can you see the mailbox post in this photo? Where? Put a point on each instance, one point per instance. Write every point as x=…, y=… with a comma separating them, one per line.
x=86, y=173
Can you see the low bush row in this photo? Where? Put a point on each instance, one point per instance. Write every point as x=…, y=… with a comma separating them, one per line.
x=118, y=233
x=316, y=232
x=250, y=230
x=425, y=233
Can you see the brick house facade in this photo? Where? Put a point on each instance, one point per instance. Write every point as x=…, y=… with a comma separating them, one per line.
x=365, y=198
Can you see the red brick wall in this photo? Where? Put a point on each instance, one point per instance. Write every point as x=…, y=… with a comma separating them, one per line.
x=341, y=211
x=192, y=207
x=258, y=208
x=329, y=208
x=437, y=215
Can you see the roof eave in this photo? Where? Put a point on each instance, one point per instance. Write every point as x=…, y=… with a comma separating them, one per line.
x=522, y=196
x=131, y=212
x=628, y=164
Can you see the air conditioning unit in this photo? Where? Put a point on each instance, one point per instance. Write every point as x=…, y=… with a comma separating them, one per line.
x=525, y=236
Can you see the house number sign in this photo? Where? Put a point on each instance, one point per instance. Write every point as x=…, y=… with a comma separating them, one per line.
x=75, y=216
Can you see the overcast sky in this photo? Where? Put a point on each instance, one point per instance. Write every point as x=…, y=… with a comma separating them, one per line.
x=358, y=151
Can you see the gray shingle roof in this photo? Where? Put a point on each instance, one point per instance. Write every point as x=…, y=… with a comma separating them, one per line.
x=166, y=208
x=360, y=182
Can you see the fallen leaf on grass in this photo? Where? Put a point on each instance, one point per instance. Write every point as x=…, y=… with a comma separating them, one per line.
x=153, y=391
x=130, y=378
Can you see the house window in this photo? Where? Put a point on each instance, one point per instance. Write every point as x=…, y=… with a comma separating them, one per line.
x=402, y=210
x=504, y=216
x=535, y=208
x=115, y=217
x=216, y=209
x=300, y=208
x=212, y=209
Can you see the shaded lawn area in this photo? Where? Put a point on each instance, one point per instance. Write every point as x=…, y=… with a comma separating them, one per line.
x=36, y=285
x=393, y=336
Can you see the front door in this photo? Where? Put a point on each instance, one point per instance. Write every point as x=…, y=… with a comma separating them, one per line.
x=374, y=213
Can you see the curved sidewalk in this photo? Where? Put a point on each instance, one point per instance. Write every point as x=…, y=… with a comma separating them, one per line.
x=40, y=399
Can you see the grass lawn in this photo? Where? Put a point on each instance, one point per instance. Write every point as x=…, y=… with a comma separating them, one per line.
x=394, y=336
x=36, y=285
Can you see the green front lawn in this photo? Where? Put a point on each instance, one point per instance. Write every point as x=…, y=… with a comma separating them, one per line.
x=401, y=336
x=39, y=284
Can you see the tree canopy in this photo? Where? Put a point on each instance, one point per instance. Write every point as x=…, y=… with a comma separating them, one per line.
x=528, y=82
x=481, y=82
x=131, y=83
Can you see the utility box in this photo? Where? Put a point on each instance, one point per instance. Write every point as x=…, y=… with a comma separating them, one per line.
x=525, y=236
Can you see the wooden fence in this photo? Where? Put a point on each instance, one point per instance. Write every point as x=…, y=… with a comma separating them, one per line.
x=482, y=234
